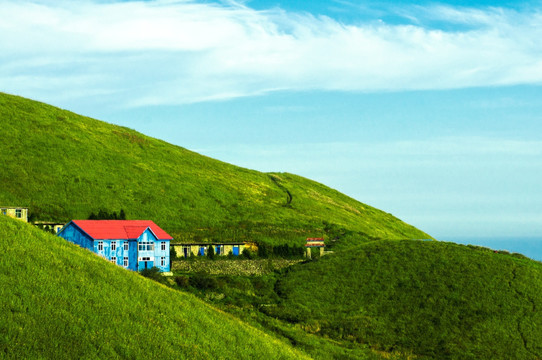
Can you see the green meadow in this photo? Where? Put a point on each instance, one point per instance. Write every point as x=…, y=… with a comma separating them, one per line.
x=64, y=166
x=400, y=299
x=431, y=299
x=59, y=301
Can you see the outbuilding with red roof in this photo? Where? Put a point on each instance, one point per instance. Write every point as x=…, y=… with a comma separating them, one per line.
x=133, y=244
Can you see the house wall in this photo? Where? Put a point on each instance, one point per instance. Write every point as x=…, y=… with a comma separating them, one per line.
x=148, y=258
x=12, y=212
x=103, y=248
x=119, y=253
x=73, y=234
x=194, y=249
x=49, y=226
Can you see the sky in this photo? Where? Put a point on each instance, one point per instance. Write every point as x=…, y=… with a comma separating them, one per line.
x=431, y=111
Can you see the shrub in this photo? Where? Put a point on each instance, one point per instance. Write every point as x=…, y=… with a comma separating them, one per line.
x=264, y=250
x=203, y=281
x=247, y=254
x=211, y=252
x=182, y=281
x=153, y=274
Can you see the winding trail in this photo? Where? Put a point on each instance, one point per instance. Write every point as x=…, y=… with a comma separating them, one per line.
x=283, y=188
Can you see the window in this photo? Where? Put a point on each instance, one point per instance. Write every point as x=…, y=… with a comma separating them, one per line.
x=186, y=251
x=145, y=258
x=18, y=213
x=114, y=259
x=100, y=245
x=163, y=246
x=162, y=261
x=146, y=246
x=113, y=245
x=125, y=262
x=126, y=246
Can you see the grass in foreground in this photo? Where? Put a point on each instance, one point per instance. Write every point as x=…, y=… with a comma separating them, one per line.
x=59, y=301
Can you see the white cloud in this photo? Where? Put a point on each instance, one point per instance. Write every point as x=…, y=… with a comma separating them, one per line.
x=169, y=52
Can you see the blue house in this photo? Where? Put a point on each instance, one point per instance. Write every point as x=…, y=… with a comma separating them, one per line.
x=133, y=244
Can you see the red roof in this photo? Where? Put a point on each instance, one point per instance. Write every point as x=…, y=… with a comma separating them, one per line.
x=120, y=229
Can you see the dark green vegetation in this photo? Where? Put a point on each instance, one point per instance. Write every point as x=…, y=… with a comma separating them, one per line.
x=65, y=166
x=59, y=301
x=398, y=299
x=247, y=297
x=434, y=300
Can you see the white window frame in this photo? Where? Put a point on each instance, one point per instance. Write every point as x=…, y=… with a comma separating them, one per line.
x=126, y=262
x=113, y=246
x=100, y=245
x=146, y=246
x=163, y=261
x=114, y=259
x=18, y=213
x=163, y=246
x=126, y=246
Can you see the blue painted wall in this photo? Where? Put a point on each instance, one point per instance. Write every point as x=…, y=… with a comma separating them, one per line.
x=152, y=254
x=73, y=234
x=156, y=257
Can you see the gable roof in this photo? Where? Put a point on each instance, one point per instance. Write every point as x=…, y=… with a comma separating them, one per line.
x=120, y=229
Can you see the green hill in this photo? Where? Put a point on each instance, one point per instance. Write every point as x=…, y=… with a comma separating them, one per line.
x=59, y=301
x=65, y=166
x=429, y=299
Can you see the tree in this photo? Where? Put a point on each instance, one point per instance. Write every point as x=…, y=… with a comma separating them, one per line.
x=153, y=274
x=211, y=252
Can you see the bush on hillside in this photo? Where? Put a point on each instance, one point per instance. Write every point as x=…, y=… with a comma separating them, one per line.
x=247, y=254
x=203, y=281
x=211, y=253
x=182, y=281
x=153, y=274
x=105, y=215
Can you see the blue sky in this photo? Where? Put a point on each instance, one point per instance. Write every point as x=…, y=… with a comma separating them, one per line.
x=431, y=111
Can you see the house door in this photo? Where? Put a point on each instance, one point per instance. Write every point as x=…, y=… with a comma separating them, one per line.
x=146, y=262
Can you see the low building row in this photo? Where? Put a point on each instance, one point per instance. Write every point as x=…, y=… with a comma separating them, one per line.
x=202, y=249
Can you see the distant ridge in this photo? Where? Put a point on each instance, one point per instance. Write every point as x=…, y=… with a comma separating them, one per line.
x=65, y=166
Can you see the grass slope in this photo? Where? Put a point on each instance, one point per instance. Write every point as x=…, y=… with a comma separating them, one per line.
x=59, y=301
x=65, y=166
x=431, y=299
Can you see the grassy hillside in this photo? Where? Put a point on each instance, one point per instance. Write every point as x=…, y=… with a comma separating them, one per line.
x=59, y=301
x=430, y=299
x=65, y=166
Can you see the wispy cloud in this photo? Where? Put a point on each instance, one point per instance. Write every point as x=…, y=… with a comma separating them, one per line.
x=169, y=52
